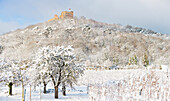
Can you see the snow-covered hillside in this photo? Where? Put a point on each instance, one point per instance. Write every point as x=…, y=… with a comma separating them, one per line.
x=95, y=43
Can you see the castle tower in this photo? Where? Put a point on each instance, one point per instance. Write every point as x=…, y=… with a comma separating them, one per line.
x=66, y=15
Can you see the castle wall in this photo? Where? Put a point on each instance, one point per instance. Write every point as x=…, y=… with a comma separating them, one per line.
x=55, y=18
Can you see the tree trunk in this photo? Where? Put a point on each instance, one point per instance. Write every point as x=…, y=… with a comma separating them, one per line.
x=35, y=86
x=10, y=88
x=56, y=92
x=56, y=85
x=64, y=89
x=45, y=85
x=88, y=89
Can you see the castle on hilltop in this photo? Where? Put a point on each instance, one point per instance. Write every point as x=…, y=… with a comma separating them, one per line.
x=64, y=15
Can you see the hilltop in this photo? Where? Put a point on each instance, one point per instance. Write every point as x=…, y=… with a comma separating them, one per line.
x=95, y=43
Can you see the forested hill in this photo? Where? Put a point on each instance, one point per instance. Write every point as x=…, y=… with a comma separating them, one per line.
x=95, y=43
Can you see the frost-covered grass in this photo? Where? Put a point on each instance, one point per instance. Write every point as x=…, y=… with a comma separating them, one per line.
x=143, y=85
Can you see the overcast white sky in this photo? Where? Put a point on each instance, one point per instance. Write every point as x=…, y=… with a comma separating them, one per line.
x=150, y=14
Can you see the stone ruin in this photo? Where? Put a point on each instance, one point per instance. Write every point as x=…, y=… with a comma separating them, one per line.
x=64, y=15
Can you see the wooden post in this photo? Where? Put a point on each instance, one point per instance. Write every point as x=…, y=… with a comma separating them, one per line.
x=30, y=92
x=40, y=91
x=24, y=94
x=22, y=90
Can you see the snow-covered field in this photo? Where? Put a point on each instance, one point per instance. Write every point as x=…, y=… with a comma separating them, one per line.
x=79, y=93
x=142, y=85
x=90, y=78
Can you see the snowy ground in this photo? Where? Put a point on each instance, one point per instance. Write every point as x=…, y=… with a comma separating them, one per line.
x=93, y=77
x=77, y=94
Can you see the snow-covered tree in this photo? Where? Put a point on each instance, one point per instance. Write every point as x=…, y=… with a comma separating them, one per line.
x=60, y=64
x=40, y=73
x=14, y=72
x=24, y=73
x=133, y=60
x=10, y=73
x=145, y=60
x=7, y=76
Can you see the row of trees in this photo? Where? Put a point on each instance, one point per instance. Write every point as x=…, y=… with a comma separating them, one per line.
x=134, y=60
x=57, y=64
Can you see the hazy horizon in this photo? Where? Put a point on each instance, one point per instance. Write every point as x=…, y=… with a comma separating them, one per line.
x=149, y=14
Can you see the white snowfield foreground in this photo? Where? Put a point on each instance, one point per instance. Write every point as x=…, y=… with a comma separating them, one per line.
x=77, y=94
x=108, y=85
x=165, y=68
